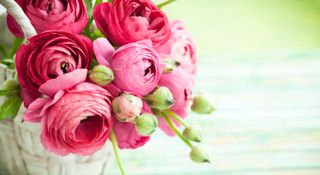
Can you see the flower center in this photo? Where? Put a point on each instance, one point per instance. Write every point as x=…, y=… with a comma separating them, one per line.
x=89, y=128
x=56, y=6
x=64, y=67
x=150, y=70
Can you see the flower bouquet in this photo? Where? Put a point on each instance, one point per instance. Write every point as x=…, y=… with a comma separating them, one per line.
x=88, y=73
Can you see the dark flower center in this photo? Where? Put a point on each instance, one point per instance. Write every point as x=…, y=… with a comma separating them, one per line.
x=149, y=70
x=65, y=67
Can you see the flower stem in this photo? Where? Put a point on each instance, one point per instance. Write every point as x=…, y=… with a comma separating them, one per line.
x=116, y=152
x=176, y=117
x=176, y=130
x=165, y=3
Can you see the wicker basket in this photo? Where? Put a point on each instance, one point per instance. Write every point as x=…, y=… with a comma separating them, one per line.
x=21, y=152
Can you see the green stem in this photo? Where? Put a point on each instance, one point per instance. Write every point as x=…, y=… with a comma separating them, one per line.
x=165, y=3
x=176, y=130
x=176, y=117
x=116, y=152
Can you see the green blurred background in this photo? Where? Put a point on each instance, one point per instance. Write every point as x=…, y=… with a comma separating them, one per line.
x=260, y=60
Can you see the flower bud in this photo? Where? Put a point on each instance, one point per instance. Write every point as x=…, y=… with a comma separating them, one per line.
x=201, y=104
x=101, y=75
x=193, y=132
x=10, y=84
x=199, y=154
x=127, y=107
x=161, y=99
x=170, y=65
x=146, y=124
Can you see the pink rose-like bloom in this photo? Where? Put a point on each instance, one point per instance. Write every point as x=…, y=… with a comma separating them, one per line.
x=70, y=16
x=127, y=135
x=137, y=68
x=76, y=120
x=180, y=47
x=180, y=84
x=126, y=21
x=47, y=56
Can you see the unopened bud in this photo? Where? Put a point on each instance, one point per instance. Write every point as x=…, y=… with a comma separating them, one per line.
x=170, y=65
x=101, y=75
x=200, y=154
x=146, y=124
x=193, y=132
x=161, y=99
x=127, y=107
x=10, y=84
x=201, y=104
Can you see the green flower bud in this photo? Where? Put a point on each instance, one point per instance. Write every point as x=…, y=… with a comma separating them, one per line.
x=199, y=154
x=201, y=104
x=11, y=88
x=193, y=132
x=146, y=124
x=170, y=65
x=101, y=75
x=161, y=99
x=10, y=84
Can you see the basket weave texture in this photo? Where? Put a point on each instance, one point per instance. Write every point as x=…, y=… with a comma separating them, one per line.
x=21, y=152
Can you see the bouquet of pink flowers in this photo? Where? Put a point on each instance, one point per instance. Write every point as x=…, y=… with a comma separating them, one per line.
x=116, y=70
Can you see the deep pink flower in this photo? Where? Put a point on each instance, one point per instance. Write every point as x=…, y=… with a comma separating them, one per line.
x=180, y=84
x=126, y=21
x=70, y=16
x=49, y=55
x=75, y=120
x=180, y=47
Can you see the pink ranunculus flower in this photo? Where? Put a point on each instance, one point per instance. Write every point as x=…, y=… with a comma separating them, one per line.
x=126, y=21
x=137, y=68
x=47, y=56
x=180, y=84
x=74, y=120
x=127, y=134
x=70, y=16
x=180, y=47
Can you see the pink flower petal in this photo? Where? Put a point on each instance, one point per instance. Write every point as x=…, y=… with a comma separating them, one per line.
x=103, y=51
x=33, y=111
x=63, y=82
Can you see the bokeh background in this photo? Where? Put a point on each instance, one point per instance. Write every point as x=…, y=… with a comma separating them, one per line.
x=260, y=60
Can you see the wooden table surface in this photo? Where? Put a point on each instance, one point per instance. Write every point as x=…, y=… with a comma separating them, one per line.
x=267, y=123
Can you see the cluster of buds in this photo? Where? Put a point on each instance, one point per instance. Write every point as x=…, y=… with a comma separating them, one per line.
x=129, y=108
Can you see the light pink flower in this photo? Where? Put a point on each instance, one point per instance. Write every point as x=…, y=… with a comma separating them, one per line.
x=127, y=107
x=180, y=84
x=180, y=47
x=76, y=119
x=127, y=135
x=126, y=21
x=70, y=16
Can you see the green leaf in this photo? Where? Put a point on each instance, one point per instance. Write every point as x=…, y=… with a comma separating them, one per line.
x=10, y=108
x=8, y=62
x=17, y=43
x=89, y=6
x=5, y=92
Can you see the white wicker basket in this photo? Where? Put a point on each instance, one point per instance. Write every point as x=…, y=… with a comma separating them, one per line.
x=21, y=152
